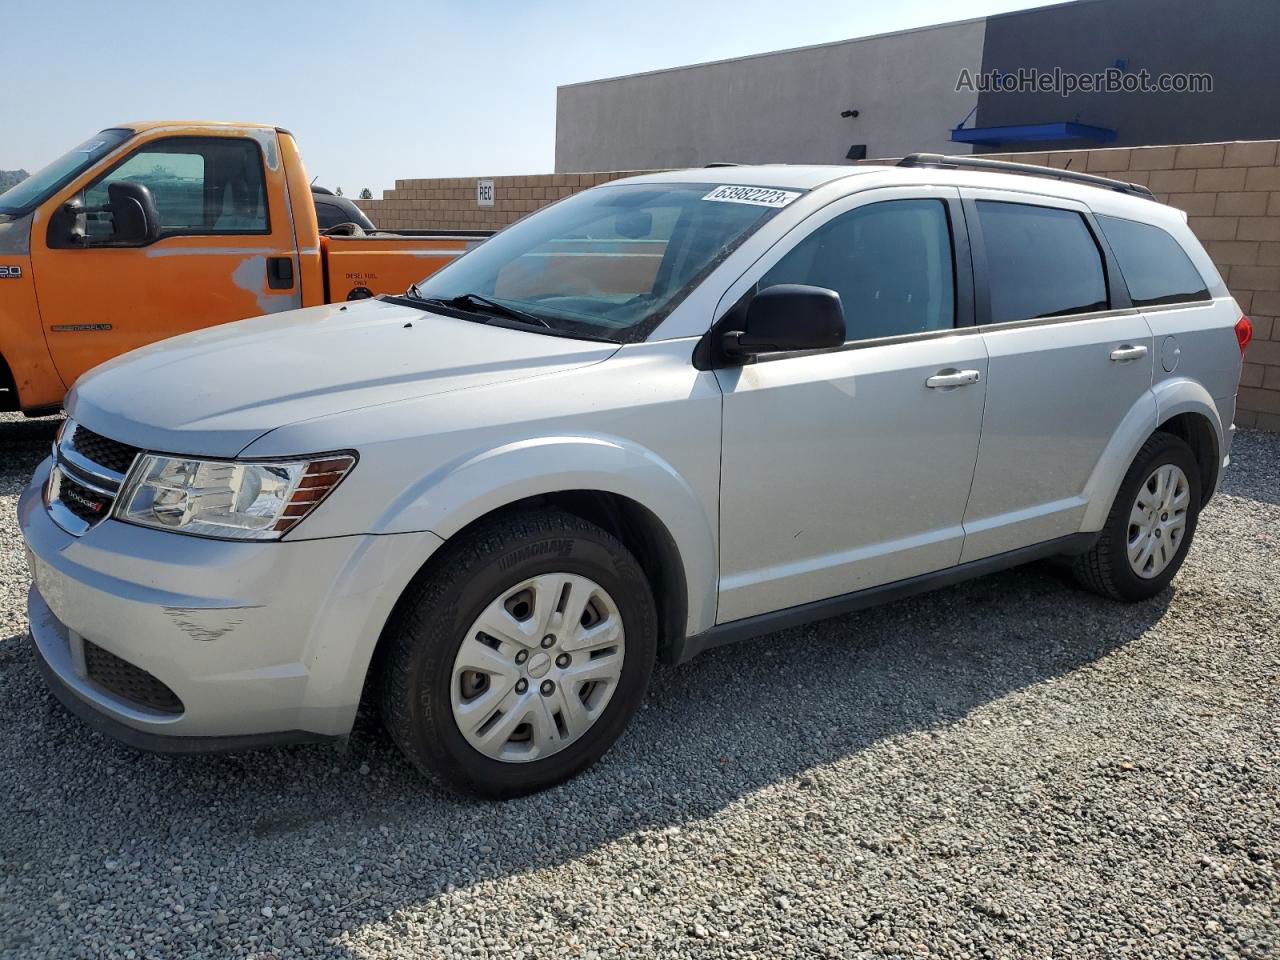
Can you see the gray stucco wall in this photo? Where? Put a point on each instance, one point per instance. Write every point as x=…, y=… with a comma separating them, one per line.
x=1234, y=40
x=776, y=107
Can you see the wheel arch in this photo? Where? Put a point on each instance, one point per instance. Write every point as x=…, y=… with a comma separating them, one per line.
x=1197, y=431
x=634, y=524
x=1179, y=406
x=9, y=400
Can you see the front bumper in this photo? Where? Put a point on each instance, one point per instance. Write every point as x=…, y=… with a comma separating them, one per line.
x=260, y=642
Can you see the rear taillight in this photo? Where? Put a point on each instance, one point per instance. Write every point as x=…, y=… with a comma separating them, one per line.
x=1244, y=332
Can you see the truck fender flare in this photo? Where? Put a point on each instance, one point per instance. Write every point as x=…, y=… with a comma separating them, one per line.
x=460, y=493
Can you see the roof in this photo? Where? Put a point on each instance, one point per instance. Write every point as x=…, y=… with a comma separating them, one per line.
x=141, y=126
x=797, y=176
x=868, y=176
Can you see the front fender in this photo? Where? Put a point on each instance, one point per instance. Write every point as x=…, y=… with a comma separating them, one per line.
x=451, y=497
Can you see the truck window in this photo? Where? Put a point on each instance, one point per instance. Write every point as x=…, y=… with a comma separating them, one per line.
x=330, y=214
x=890, y=262
x=1041, y=262
x=33, y=191
x=1155, y=267
x=200, y=186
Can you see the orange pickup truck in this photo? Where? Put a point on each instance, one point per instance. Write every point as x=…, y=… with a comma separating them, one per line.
x=148, y=230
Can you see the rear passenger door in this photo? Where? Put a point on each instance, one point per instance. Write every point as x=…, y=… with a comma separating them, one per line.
x=1069, y=360
x=848, y=468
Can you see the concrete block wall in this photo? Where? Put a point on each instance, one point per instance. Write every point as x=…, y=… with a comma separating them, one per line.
x=1230, y=191
x=450, y=203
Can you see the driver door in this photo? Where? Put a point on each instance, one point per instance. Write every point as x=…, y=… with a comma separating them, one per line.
x=225, y=251
x=849, y=468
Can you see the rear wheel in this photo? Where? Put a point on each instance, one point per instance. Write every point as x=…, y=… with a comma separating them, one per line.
x=1150, y=526
x=521, y=656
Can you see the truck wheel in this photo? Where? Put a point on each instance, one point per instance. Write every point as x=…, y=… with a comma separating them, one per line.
x=519, y=657
x=1150, y=526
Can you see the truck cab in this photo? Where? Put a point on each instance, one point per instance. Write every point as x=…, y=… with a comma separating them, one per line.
x=149, y=230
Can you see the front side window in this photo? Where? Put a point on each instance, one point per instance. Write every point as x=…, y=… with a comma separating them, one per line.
x=200, y=186
x=890, y=262
x=1041, y=262
x=1155, y=267
x=610, y=262
x=31, y=192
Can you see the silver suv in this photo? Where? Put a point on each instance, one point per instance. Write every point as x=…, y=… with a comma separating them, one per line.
x=658, y=416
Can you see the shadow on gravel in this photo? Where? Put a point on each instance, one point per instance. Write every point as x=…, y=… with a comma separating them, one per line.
x=369, y=836
x=24, y=436
x=23, y=444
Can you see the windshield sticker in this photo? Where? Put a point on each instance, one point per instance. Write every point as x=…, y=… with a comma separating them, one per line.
x=91, y=146
x=760, y=196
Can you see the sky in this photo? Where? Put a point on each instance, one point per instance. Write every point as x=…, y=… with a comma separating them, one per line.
x=377, y=91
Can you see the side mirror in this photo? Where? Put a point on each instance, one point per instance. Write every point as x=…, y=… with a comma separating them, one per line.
x=134, y=216
x=786, y=317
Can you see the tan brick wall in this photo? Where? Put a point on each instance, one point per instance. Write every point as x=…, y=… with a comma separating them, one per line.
x=450, y=203
x=1230, y=191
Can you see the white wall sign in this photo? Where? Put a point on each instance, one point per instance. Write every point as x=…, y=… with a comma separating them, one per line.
x=484, y=193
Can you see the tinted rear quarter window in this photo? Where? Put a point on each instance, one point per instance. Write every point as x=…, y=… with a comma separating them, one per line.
x=1155, y=267
x=329, y=214
x=1041, y=262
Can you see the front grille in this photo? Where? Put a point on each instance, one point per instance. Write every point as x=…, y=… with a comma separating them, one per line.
x=128, y=682
x=89, y=505
x=115, y=456
x=86, y=478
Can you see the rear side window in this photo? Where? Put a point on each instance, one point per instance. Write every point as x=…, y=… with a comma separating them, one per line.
x=1041, y=262
x=890, y=262
x=1154, y=265
x=330, y=214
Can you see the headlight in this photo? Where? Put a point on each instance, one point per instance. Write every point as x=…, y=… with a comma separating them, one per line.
x=226, y=498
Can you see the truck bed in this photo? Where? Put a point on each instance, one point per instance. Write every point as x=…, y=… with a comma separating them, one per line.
x=359, y=267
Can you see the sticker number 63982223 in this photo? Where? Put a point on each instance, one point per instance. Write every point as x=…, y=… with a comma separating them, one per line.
x=10, y=273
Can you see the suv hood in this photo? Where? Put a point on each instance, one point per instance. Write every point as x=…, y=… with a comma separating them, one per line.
x=215, y=391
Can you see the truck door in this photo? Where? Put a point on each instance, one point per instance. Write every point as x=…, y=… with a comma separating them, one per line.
x=225, y=251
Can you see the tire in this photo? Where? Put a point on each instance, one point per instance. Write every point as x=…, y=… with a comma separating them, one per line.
x=1107, y=568
x=501, y=569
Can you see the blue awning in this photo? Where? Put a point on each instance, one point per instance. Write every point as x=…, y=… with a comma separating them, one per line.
x=1027, y=132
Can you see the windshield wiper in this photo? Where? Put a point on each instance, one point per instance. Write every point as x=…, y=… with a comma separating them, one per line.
x=470, y=301
x=481, y=306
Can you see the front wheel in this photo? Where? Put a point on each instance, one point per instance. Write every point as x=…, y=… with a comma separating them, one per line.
x=1150, y=526
x=520, y=657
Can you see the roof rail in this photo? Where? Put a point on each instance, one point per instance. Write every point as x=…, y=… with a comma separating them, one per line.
x=720, y=163
x=1031, y=169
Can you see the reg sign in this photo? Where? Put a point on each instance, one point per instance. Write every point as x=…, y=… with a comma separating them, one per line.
x=484, y=193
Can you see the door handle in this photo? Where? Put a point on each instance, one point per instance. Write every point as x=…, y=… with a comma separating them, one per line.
x=1128, y=352
x=953, y=378
x=280, y=273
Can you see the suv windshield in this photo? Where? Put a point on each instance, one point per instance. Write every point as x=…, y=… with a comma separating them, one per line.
x=21, y=197
x=610, y=262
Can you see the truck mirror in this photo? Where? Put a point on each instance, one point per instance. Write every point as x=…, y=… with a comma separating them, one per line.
x=133, y=213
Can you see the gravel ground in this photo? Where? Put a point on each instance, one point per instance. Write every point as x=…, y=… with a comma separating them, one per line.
x=1009, y=768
